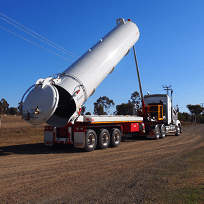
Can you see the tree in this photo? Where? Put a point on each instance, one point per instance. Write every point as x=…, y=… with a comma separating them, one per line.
x=135, y=98
x=124, y=109
x=195, y=111
x=1, y=108
x=14, y=111
x=200, y=118
x=184, y=116
x=101, y=104
x=4, y=107
x=127, y=108
x=88, y=113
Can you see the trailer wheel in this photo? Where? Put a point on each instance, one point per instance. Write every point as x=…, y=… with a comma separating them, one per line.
x=177, y=131
x=156, y=132
x=103, y=139
x=90, y=140
x=115, y=137
x=162, y=131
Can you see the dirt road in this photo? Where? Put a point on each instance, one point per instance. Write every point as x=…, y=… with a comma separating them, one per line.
x=36, y=174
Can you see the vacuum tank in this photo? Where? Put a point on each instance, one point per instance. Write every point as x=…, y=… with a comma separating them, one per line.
x=57, y=100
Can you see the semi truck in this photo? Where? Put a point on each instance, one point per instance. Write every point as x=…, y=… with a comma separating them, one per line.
x=58, y=99
x=160, y=116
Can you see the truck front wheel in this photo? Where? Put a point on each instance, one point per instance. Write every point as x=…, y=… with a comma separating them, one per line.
x=156, y=132
x=162, y=131
x=90, y=140
x=103, y=139
x=115, y=137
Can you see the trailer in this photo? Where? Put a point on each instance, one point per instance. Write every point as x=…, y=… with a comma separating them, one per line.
x=89, y=132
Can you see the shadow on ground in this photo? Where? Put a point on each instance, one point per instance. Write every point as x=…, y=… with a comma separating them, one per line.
x=140, y=138
x=38, y=148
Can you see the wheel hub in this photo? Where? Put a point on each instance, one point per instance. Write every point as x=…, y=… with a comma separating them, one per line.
x=91, y=140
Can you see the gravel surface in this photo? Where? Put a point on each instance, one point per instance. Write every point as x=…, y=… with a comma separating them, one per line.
x=34, y=173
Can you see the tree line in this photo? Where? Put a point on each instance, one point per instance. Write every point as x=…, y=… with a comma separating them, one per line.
x=4, y=108
x=196, y=113
x=103, y=104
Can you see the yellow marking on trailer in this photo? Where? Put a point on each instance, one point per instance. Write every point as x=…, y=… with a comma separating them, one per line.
x=117, y=122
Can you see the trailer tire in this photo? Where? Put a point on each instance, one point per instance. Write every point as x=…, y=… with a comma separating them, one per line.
x=90, y=140
x=115, y=138
x=177, y=131
x=103, y=139
x=156, y=132
x=162, y=131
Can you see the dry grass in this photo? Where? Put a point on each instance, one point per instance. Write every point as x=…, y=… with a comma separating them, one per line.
x=187, y=123
x=16, y=131
x=11, y=121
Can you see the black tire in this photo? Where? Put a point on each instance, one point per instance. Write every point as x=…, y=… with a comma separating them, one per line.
x=180, y=129
x=90, y=140
x=177, y=131
x=103, y=139
x=115, y=138
x=162, y=131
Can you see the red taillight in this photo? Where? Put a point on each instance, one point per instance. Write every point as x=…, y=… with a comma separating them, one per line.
x=129, y=19
x=48, y=128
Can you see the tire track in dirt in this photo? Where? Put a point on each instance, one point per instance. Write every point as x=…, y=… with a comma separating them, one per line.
x=99, y=176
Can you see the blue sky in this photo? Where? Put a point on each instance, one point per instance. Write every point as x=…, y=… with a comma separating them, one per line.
x=170, y=49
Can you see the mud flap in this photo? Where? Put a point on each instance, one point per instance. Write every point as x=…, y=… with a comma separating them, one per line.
x=48, y=137
x=79, y=139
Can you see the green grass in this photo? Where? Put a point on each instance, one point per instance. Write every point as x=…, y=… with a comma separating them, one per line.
x=181, y=182
x=190, y=195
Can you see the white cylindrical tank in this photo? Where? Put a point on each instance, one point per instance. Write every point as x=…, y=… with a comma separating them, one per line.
x=57, y=100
